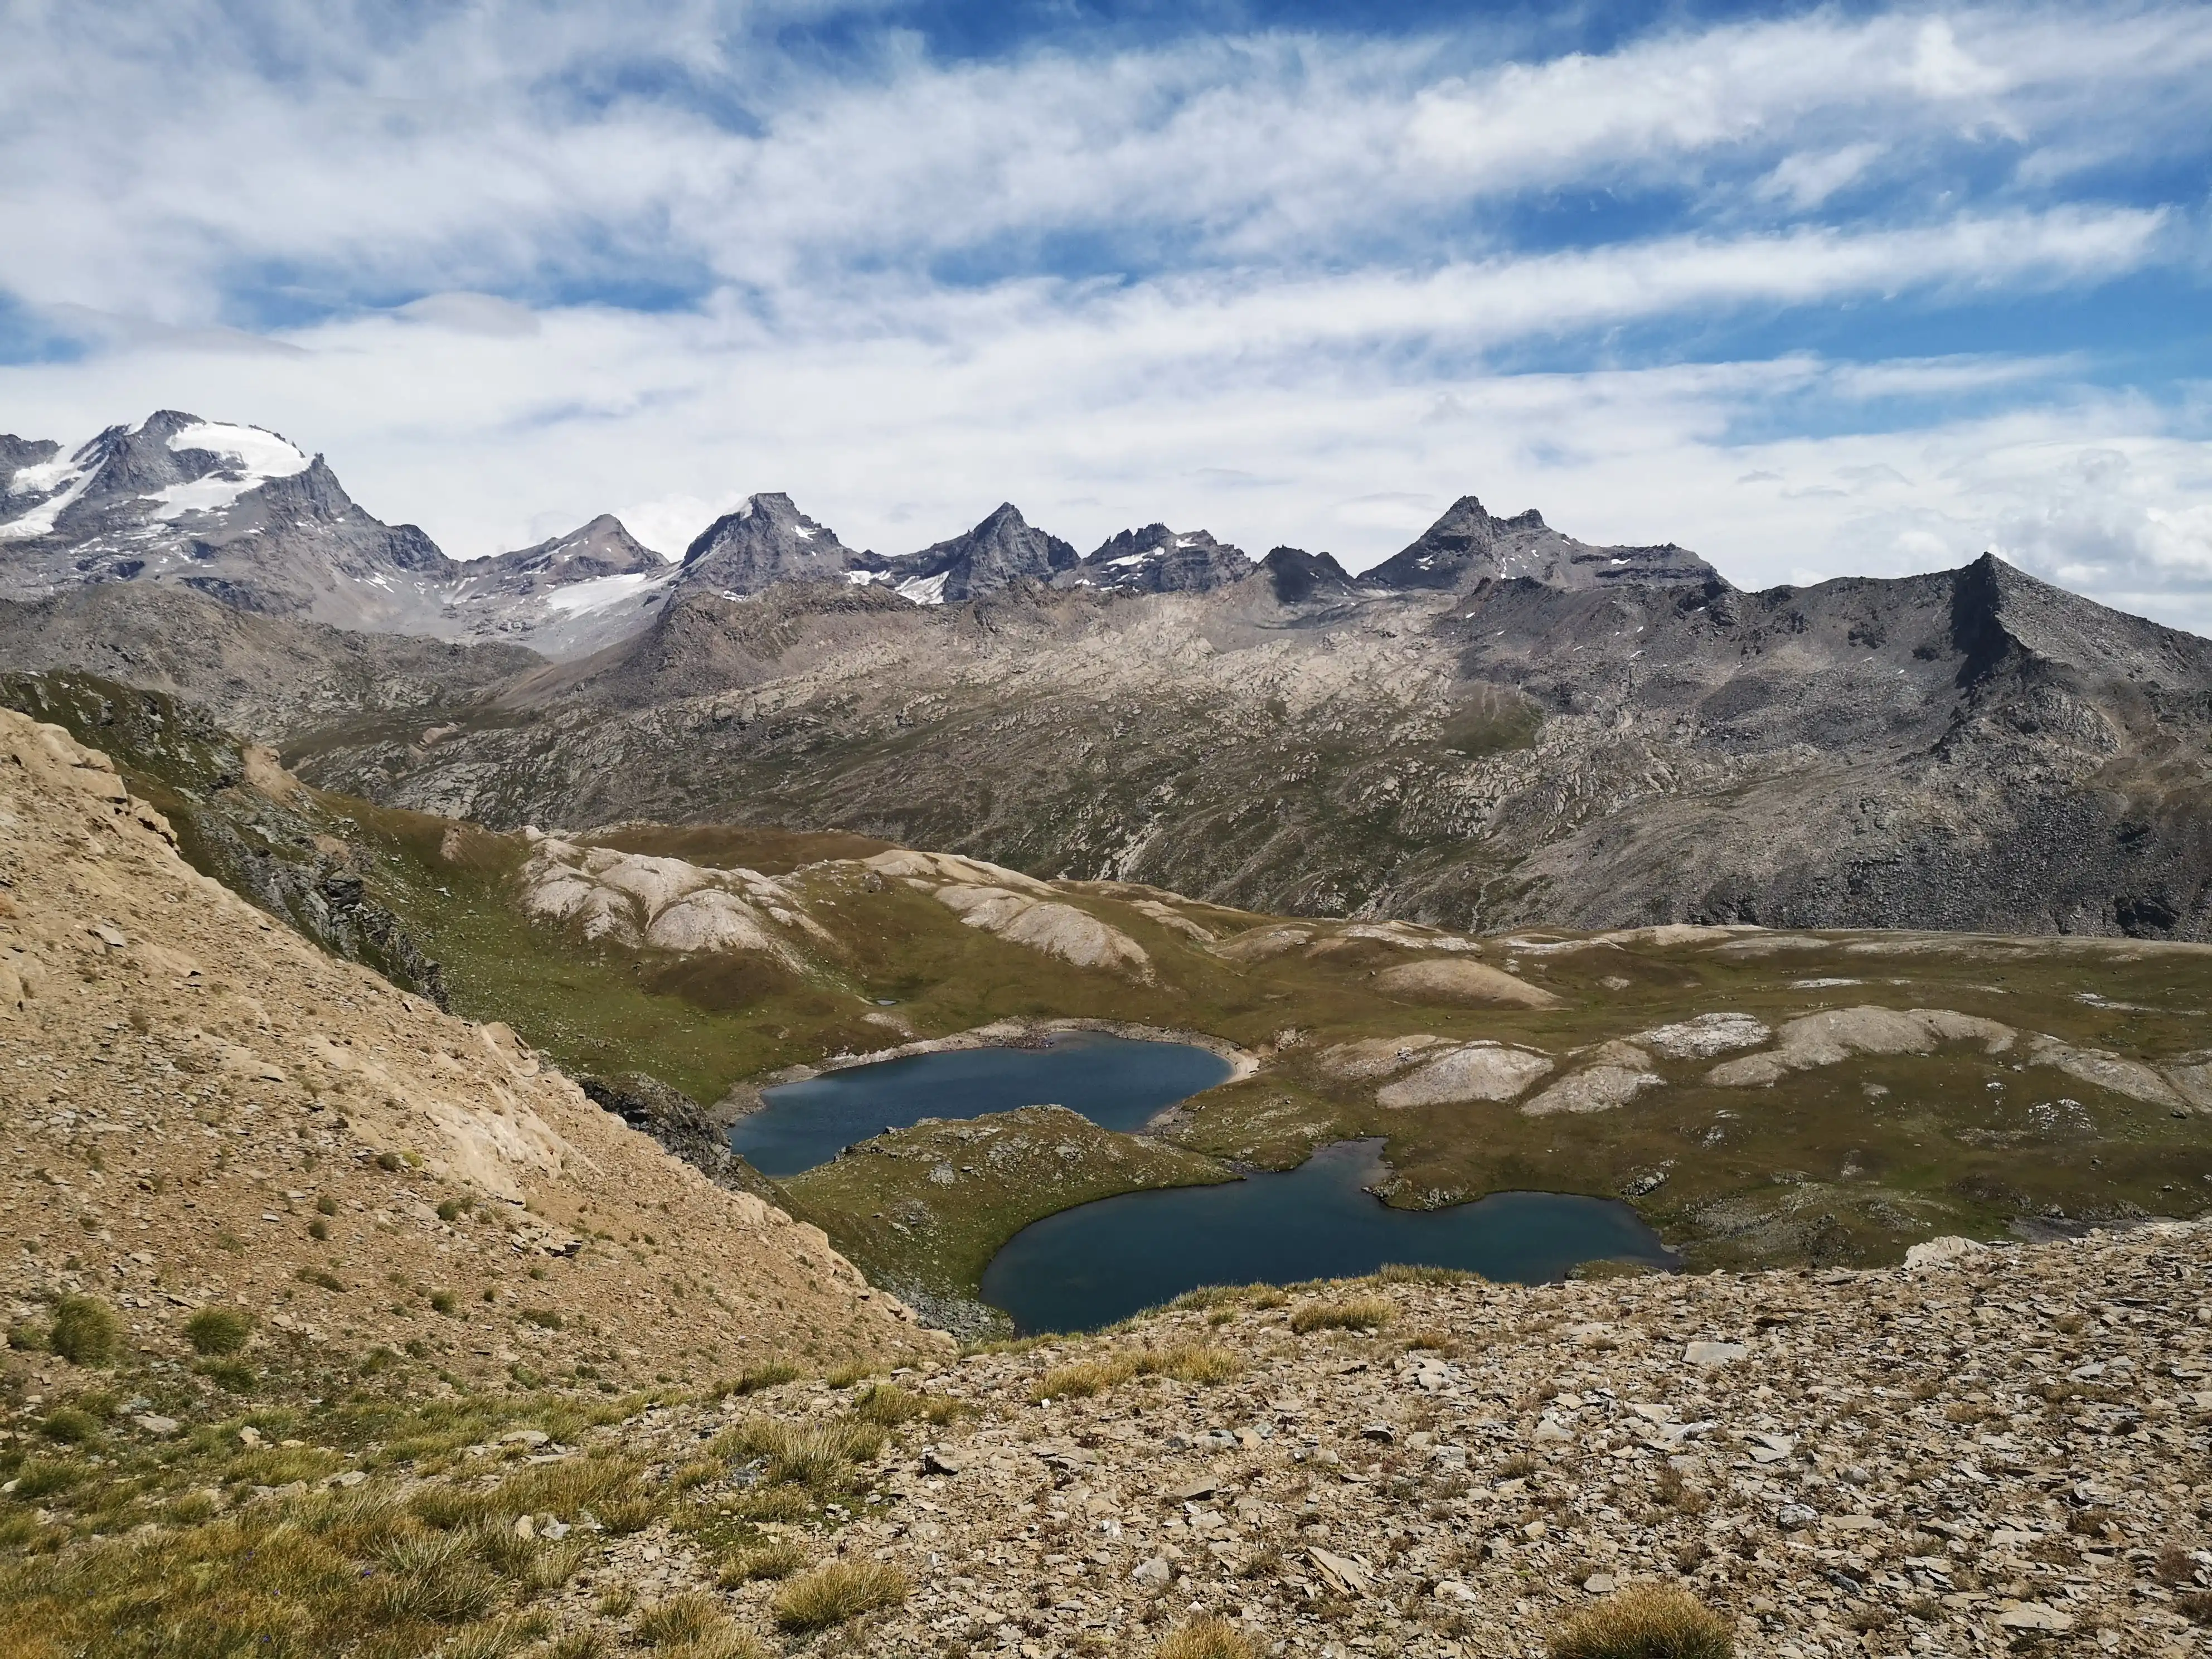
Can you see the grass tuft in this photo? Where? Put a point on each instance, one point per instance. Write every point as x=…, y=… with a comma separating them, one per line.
x=1186, y=1362
x=493, y=1638
x=216, y=1332
x=1646, y=1621
x=772, y=1374
x=772, y=1561
x=821, y=1456
x=889, y=1404
x=1358, y=1313
x=85, y=1331
x=680, y=1620
x=70, y=1425
x=431, y=1581
x=1406, y=1273
x=837, y=1591
x=1205, y=1638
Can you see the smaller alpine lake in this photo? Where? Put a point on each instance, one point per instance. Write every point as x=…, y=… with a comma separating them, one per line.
x=1100, y=1262
x=1118, y=1083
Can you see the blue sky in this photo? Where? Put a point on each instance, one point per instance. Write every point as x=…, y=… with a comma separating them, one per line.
x=1816, y=290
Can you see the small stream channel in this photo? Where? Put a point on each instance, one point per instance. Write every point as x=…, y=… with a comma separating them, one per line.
x=1102, y=1262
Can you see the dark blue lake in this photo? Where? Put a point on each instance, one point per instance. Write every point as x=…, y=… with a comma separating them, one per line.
x=1100, y=1262
x=1116, y=1082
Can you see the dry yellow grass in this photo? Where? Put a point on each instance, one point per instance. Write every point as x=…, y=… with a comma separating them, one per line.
x=1186, y=1362
x=1357, y=1313
x=837, y=1591
x=1646, y=1621
x=779, y=1560
x=1205, y=1638
x=680, y=1619
x=821, y=1456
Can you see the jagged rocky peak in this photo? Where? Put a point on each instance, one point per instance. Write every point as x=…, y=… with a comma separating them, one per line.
x=602, y=548
x=770, y=540
x=1159, y=559
x=1299, y=577
x=1466, y=545
x=1002, y=550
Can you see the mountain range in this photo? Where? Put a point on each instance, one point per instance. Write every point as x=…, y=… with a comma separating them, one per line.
x=244, y=516
x=1500, y=724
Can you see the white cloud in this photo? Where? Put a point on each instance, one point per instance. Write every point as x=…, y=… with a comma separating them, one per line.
x=1808, y=179
x=164, y=159
x=471, y=313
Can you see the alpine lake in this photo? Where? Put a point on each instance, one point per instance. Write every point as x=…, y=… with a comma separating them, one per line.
x=1099, y=1262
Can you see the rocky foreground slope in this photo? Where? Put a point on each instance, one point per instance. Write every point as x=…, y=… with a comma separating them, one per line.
x=1988, y=1447
x=202, y=1108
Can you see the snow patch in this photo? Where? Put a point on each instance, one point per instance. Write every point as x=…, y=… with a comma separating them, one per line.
x=601, y=592
x=68, y=479
x=254, y=458
x=924, y=590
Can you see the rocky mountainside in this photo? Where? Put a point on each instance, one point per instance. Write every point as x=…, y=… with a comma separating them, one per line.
x=1989, y=1449
x=245, y=517
x=1498, y=724
x=209, y=1110
x=566, y=597
x=768, y=540
x=233, y=511
x=1972, y=750
x=261, y=675
x=1699, y=1068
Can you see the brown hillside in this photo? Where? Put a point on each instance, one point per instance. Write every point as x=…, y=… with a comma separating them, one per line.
x=202, y=1107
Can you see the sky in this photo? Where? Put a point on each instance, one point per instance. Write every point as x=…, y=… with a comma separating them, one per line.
x=1816, y=291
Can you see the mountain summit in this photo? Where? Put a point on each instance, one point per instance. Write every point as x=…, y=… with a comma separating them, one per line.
x=1468, y=546
x=244, y=516
x=1005, y=548
x=768, y=540
x=1157, y=560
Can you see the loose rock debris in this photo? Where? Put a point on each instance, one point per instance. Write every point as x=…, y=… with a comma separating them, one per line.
x=1995, y=1446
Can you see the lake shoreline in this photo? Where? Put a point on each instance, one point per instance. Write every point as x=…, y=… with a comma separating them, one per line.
x=745, y=1098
